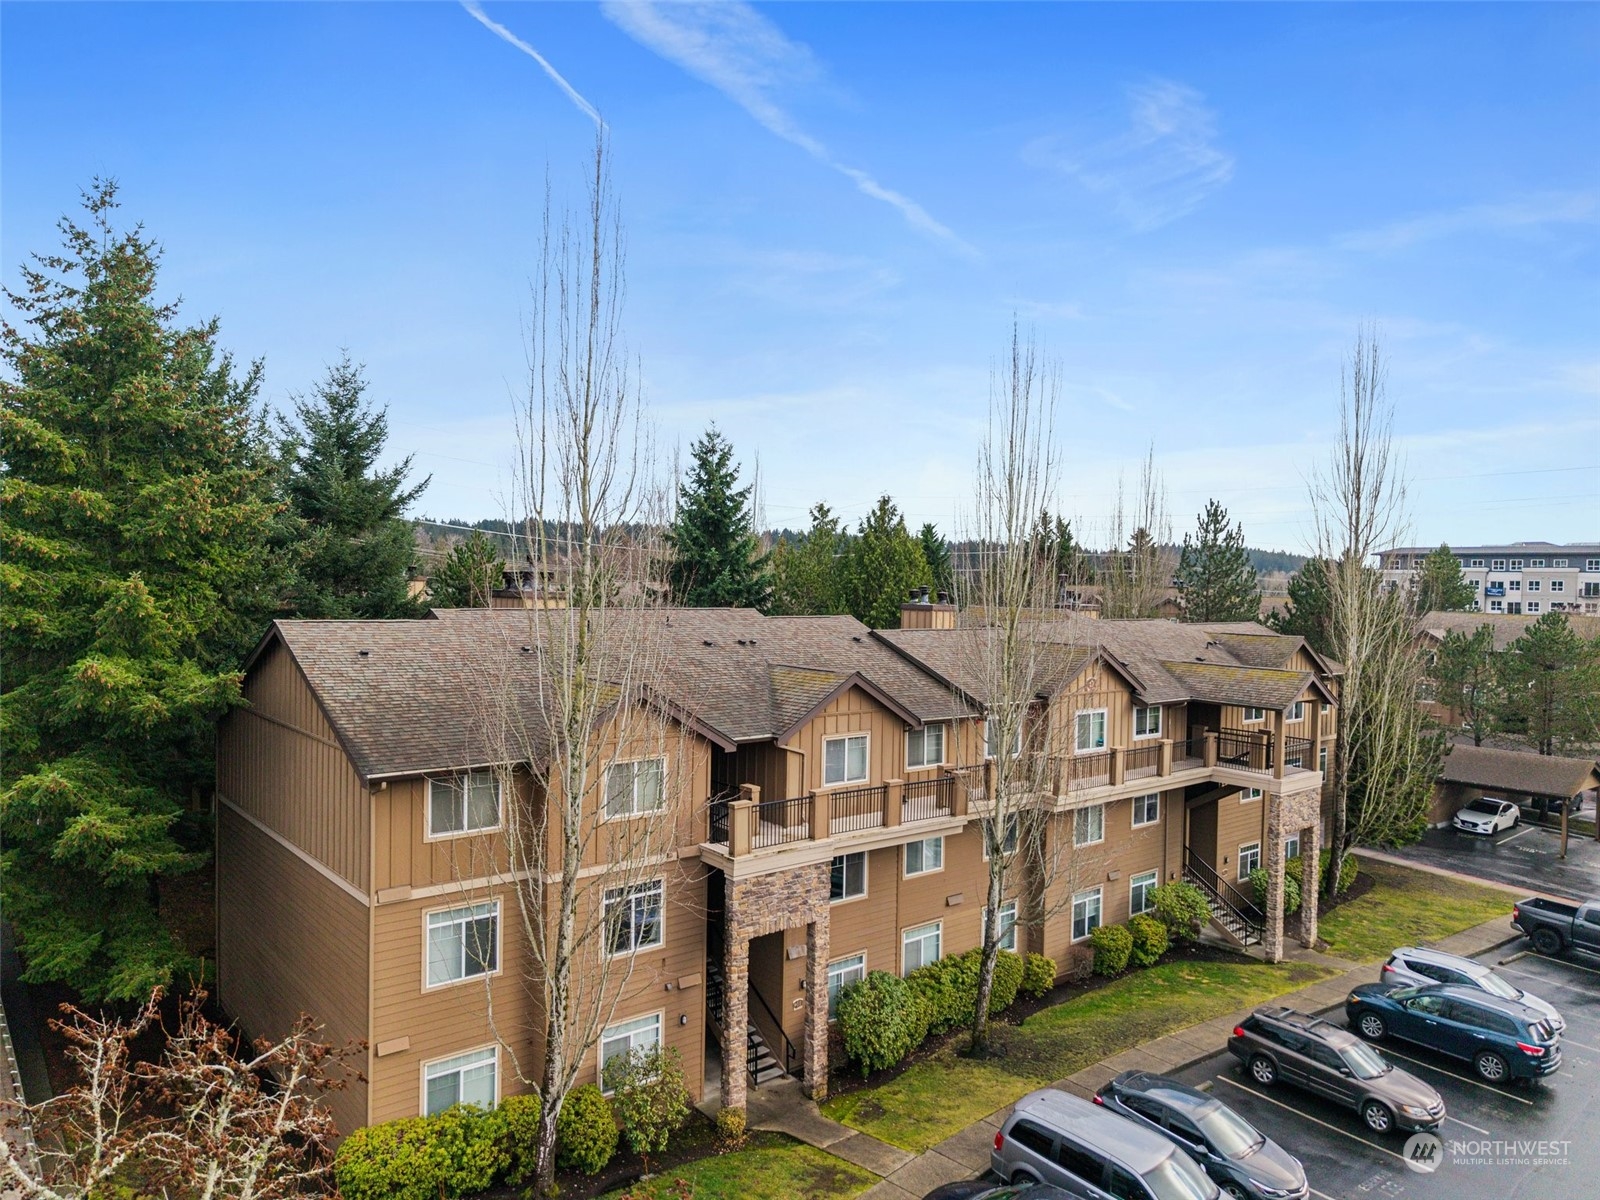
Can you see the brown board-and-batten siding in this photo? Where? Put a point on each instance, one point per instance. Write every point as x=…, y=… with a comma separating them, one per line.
x=293, y=850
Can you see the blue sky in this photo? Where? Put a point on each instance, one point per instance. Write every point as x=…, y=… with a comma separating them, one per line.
x=833, y=211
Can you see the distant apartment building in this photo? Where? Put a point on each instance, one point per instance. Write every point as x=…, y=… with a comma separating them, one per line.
x=1519, y=578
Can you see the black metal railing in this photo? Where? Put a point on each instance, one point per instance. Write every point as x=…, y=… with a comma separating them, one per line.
x=717, y=816
x=1142, y=758
x=1297, y=753
x=925, y=799
x=781, y=821
x=856, y=808
x=1088, y=766
x=1242, y=751
x=1242, y=908
x=791, y=1055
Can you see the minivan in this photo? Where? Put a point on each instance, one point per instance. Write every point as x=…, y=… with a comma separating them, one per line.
x=1055, y=1137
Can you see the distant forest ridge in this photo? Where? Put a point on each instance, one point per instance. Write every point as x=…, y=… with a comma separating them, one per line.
x=508, y=538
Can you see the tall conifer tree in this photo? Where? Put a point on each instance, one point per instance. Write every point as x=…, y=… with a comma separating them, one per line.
x=137, y=527
x=717, y=560
x=806, y=573
x=936, y=551
x=882, y=563
x=1215, y=576
x=1440, y=586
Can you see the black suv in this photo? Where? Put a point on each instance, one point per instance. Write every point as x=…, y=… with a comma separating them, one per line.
x=1281, y=1044
x=1243, y=1161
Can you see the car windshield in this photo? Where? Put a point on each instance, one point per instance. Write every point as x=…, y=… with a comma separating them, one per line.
x=1228, y=1132
x=1177, y=1178
x=1495, y=986
x=1363, y=1061
x=1484, y=806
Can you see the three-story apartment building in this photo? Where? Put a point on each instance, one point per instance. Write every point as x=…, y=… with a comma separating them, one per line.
x=1516, y=578
x=819, y=787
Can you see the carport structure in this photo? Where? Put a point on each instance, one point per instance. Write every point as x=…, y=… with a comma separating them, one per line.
x=1516, y=775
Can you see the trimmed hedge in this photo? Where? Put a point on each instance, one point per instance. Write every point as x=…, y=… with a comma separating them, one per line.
x=879, y=1021
x=1182, y=908
x=586, y=1131
x=1149, y=939
x=1113, y=945
x=1008, y=969
x=1347, y=874
x=454, y=1153
x=1038, y=975
x=1291, y=889
x=519, y=1116
x=950, y=986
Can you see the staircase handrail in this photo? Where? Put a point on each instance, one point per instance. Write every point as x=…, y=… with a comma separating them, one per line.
x=791, y=1056
x=1240, y=907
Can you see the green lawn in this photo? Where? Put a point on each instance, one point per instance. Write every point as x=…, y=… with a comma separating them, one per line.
x=1407, y=908
x=770, y=1167
x=941, y=1096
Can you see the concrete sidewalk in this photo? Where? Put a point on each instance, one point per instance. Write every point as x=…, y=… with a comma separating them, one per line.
x=966, y=1154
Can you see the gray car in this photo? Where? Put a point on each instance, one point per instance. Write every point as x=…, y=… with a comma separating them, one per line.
x=1091, y=1153
x=1413, y=967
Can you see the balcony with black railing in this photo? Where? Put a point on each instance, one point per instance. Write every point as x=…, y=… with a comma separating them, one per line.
x=742, y=823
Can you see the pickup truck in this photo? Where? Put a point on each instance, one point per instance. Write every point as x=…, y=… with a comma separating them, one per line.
x=1554, y=927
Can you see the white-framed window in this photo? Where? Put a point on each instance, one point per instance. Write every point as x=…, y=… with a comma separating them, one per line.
x=1147, y=721
x=924, y=856
x=1532, y=606
x=463, y=942
x=1085, y=914
x=1146, y=809
x=1591, y=564
x=635, y=787
x=1008, y=925
x=1008, y=838
x=1253, y=714
x=1497, y=564
x=1297, y=711
x=842, y=972
x=1536, y=562
x=1515, y=585
x=1477, y=562
x=1248, y=794
x=848, y=877
x=1497, y=606
x=641, y=1033
x=470, y=1078
x=1139, y=889
x=920, y=946
x=1089, y=825
x=1091, y=730
x=1558, y=562
x=1516, y=564
x=844, y=759
x=1249, y=858
x=925, y=747
x=1474, y=584
x=1322, y=759
x=633, y=917
x=1533, y=585
x=463, y=804
x=991, y=739
x=1558, y=585
x=1291, y=846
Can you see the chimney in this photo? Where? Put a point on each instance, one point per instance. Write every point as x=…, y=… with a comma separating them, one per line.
x=923, y=613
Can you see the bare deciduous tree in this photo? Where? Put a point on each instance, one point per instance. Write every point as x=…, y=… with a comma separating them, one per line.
x=1142, y=560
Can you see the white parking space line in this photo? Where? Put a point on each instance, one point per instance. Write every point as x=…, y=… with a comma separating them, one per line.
x=1324, y=1195
x=1545, y=981
x=1523, y=832
x=1566, y=1041
x=1469, y=1125
x=1474, y=1082
x=1555, y=962
x=1307, y=1116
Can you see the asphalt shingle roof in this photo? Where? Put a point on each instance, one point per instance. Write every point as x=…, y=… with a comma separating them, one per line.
x=1518, y=771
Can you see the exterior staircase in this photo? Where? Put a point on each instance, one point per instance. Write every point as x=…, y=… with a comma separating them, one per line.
x=1228, y=921
x=761, y=1063
x=1232, y=912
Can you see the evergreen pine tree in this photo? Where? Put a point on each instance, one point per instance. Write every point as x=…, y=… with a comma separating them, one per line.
x=1467, y=679
x=936, y=552
x=356, y=550
x=1440, y=586
x=1550, y=687
x=1307, y=610
x=806, y=572
x=137, y=524
x=1215, y=576
x=882, y=563
x=717, y=560
x=469, y=574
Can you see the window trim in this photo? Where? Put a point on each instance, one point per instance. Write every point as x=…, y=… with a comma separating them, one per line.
x=1138, y=802
x=937, y=926
x=1098, y=892
x=660, y=1016
x=944, y=742
x=866, y=865
x=428, y=835
x=427, y=947
x=1016, y=749
x=1297, y=711
x=1012, y=835
x=633, y=812
x=866, y=777
x=1105, y=730
x=422, y=1072
x=1139, y=708
x=1249, y=795
x=1101, y=808
x=905, y=858
x=1154, y=877
x=983, y=917
x=1243, y=846
x=606, y=953
x=828, y=983
x=1247, y=709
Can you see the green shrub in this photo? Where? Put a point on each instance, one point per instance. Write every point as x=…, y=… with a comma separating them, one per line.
x=1149, y=939
x=475, y=1147
x=1113, y=944
x=879, y=1019
x=648, y=1096
x=1038, y=975
x=950, y=987
x=1291, y=889
x=1182, y=908
x=1295, y=870
x=1008, y=970
x=454, y=1153
x=519, y=1117
x=730, y=1128
x=586, y=1131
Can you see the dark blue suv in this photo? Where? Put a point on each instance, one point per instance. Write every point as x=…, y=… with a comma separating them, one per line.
x=1502, y=1039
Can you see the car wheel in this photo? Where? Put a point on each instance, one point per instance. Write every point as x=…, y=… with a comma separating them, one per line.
x=1377, y=1116
x=1237, y=1192
x=1547, y=941
x=1490, y=1066
x=1371, y=1027
x=1263, y=1070
x=1022, y=1177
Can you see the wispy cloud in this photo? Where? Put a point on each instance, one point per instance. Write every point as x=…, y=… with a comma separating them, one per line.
x=746, y=57
x=1162, y=166
x=1555, y=208
x=501, y=32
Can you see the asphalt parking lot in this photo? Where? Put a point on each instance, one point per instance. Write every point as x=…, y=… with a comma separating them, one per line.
x=1524, y=856
x=1530, y=1141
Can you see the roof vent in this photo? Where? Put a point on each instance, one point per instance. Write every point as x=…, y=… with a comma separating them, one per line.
x=1199, y=658
x=527, y=649
x=363, y=653
x=944, y=597
x=855, y=637
x=708, y=642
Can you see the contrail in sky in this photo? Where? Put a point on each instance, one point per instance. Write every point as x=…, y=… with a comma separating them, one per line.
x=501, y=32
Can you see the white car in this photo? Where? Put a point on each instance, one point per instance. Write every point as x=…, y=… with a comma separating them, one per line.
x=1410, y=966
x=1486, y=815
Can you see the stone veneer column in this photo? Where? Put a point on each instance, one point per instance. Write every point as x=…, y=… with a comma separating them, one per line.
x=735, y=1018
x=1310, y=859
x=1272, y=934
x=815, y=1050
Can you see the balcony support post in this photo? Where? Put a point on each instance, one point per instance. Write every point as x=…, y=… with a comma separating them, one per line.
x=1279, y=744
x=821, y=816
x=958, y=794
x=1164, y=763
x=743, y=813
x=894, y=792
x=1210, y=752
x=1119, y=765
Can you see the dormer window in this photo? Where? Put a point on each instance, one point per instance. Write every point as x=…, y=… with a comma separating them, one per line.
x=844, y=759
x=924, y=747
x=1147, y=721
x=1253, y=714
x=463, y=804
x=1091, y=730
